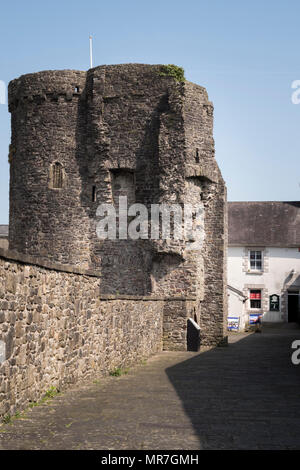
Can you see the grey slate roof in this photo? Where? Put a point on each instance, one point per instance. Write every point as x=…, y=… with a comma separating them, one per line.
x=264, y=224
x=3, y=231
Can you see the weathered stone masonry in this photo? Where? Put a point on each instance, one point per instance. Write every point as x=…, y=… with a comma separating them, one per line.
x=59, y=330
x=80, y=139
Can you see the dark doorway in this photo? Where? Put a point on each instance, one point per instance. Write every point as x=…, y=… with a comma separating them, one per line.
x=193, y=335
x=293, y=307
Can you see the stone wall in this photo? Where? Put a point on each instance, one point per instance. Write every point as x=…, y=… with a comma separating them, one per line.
x=202, y=170
x=59, y=330
x=175, y=315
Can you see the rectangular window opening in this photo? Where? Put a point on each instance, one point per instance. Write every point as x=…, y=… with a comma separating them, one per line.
x=57, y=175
x=255, y=298
x=255, y=260
x=94, y=194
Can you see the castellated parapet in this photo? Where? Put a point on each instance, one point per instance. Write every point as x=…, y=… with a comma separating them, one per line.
x=81, y=139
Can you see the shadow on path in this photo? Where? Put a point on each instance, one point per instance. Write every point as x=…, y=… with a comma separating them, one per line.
x=245, y=396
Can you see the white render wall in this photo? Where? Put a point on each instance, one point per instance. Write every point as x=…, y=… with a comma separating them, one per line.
x=236, y=308
x=281, y=271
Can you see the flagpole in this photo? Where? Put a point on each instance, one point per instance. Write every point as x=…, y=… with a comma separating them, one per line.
x=91, y=52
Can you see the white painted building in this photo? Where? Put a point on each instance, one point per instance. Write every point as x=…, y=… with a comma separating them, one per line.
x=4, y=236
x=263, y=262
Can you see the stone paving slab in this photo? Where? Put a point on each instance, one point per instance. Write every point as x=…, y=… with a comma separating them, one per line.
x=244, y=396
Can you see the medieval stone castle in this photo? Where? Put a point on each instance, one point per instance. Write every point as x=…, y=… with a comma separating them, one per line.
x=72, y=305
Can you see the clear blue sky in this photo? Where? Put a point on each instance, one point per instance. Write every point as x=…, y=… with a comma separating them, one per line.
x=246, y=53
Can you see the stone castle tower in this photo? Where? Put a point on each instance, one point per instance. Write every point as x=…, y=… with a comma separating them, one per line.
x=81, y=139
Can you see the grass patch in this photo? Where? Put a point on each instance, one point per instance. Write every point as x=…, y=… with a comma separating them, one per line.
x=7, y=419
x=51, y=393
x=118, y=371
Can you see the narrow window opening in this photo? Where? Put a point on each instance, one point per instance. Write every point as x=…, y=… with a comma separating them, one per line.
x=76, y=89
x=197, y=156
x=57, y=177
x=94, y=194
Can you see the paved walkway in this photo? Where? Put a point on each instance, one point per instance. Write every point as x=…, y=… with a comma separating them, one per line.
x=245, y=396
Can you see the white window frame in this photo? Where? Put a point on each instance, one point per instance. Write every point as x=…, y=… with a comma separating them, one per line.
x=255, y=309
x=255, y=269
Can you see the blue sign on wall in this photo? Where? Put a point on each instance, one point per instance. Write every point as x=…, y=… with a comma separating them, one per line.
x=233, y=323
x=253, y=317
